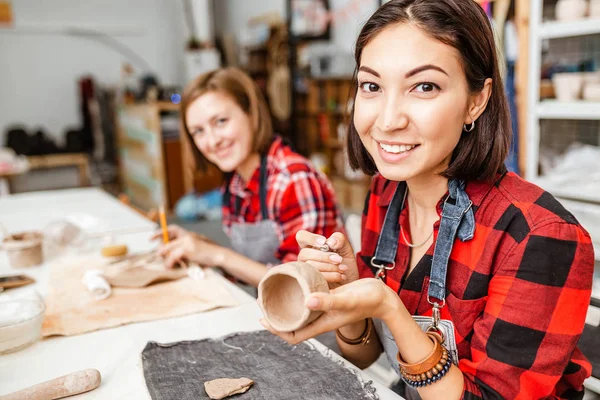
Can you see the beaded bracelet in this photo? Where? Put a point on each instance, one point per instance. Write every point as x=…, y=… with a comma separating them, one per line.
x=431, y=369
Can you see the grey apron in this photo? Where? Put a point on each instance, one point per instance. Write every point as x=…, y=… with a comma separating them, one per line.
x=257, y=241
x=457, y=220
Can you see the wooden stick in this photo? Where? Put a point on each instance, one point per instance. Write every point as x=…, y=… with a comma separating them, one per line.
x=64, y=386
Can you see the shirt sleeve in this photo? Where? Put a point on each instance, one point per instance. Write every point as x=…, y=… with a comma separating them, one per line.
x=306, y=203
x=526, y=339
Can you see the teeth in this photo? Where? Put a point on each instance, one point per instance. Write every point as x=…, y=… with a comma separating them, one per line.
x=395, y=148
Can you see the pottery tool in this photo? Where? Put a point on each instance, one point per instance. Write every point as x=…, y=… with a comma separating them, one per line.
x=58, y=388
x=325, y=248
x=163, y=224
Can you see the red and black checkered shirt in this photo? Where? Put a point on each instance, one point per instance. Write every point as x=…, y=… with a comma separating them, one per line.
x=298, y=197
x=518, y=292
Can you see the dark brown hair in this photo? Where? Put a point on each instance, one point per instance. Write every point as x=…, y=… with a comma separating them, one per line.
x=234, y=83
x=462, y=24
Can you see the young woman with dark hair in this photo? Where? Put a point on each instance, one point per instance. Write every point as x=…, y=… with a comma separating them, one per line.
x=474, y=282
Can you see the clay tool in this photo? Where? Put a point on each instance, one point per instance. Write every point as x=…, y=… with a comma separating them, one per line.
x=58, y=388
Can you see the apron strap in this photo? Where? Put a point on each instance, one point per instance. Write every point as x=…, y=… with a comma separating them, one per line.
x=262, y=187
x=262, y=191
x=457, y=220
x=387, y=244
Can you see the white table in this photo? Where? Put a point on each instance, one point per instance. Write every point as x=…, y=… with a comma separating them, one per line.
x=114, y=352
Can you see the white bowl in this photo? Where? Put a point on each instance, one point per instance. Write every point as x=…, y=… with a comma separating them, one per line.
x=594, y=8
x=569, y=10
x=567, y=85
x=591, y=92
x=20, y=323
x=591, y=77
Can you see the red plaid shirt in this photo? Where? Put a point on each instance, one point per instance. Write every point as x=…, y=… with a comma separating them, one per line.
x=298, y=197
x=518, y=292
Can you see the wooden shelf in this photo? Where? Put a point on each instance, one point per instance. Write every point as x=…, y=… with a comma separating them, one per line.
x=333, y=144
x=553, y=109
x=560, y=29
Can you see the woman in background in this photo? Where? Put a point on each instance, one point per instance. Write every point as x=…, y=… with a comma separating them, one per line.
x=270, y=192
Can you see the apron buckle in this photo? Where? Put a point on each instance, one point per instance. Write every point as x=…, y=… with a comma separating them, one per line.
x=381, y=268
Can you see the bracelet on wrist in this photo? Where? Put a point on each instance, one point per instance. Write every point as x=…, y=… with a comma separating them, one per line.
x=431, y=369
x=363, y=339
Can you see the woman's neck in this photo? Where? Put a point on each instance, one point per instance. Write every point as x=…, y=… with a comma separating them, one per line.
x=424, y=194
x=248, y=166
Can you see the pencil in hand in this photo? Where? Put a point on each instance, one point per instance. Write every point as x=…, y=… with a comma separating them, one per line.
x=163, y=224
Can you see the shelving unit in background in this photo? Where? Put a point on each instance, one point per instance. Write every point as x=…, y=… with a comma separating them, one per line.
x=565, y=119
x=154, y=163
x=322, y=115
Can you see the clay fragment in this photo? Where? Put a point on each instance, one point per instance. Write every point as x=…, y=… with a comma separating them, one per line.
x=283, y=291
x=140, y=271
x=225, y=387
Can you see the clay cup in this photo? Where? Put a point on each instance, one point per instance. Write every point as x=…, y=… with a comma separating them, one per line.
x=283, y=291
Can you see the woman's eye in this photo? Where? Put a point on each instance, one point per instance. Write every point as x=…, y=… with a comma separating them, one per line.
x=426, y=87
x=197, y=132
x=369, y=87
x=221, y=121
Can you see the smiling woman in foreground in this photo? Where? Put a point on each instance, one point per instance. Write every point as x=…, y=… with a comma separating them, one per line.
x=474, y=282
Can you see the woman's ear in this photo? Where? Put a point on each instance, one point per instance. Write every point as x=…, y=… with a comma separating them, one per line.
x=479, y=102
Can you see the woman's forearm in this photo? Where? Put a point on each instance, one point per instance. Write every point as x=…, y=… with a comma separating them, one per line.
x=414, y=346
x=240, y=266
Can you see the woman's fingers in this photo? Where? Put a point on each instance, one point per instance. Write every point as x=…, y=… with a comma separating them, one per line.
x=318, y=255
x=330, y=302
x=309, y=239
x=173, y=231
x=338, y=242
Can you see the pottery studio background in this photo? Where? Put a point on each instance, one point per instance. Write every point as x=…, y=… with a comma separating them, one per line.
x=90, y=92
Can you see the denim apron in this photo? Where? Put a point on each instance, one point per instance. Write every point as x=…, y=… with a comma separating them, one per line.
x=457, y=220
x=257, y=241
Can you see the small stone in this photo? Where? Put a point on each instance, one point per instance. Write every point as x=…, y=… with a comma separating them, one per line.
x=224, y=387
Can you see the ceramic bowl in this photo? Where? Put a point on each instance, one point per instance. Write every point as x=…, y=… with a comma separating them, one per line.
x=283, y=291
x=569, y=10
x=24, y=249
x=591, y=92
x=567, y=86
x=20, y=322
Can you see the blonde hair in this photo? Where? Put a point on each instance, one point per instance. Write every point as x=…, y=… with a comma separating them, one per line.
x=236, y=84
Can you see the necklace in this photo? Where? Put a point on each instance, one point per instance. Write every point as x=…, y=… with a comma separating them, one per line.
x=402, y=230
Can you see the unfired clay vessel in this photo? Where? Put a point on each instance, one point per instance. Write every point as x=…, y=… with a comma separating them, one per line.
x=282, y=292
x=24, y=249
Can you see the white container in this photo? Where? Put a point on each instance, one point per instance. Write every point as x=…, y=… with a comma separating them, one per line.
x=594, y=8
x=591, y=77
x=567, y=86
x=569, y=10
x=24, y=249
x=591, y=92
x=20, y=322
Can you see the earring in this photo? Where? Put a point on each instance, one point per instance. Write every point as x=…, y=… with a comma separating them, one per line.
x=470, y=128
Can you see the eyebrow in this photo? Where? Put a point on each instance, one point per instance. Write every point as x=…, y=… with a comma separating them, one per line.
x=410, y=73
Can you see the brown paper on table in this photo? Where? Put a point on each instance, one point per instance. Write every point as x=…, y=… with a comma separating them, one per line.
x=71, y=309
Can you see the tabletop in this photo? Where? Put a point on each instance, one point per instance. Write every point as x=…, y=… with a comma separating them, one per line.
x=115, y=352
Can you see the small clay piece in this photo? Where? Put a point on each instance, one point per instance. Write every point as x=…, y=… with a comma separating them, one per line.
x=282, y=292
x=65, y=386
x=225, y=387
x=140, y=271
x=24, y=249
x=114, y=250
